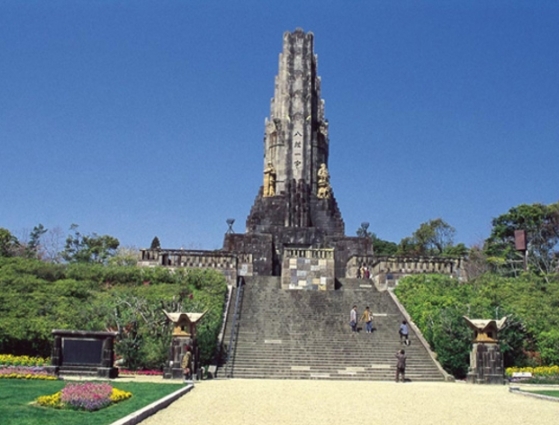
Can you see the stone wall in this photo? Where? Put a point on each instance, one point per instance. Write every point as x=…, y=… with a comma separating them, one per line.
x=225, y=263
x=386, y=271
x=255, y=252
x=356, y=262
x=304, y=268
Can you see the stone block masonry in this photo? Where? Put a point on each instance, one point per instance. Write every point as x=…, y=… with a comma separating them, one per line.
x=312, y=269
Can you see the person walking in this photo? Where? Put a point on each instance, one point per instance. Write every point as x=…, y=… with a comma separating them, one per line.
x=401, y=365
x=353, y=319
x=186, y=364
x=367, y=317
x=404, y=333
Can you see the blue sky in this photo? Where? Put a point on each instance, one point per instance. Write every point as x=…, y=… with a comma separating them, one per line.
x=145, y=118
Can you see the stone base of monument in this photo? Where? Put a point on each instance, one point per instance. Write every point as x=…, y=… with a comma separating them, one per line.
x=173, y=373
x=178, y=349
x=474, y=378
x=486, y=365
x=98, y=372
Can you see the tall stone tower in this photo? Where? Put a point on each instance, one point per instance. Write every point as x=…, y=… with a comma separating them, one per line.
x=296, y=192
x=295, y=229
x=296, y=133
x=295, y=207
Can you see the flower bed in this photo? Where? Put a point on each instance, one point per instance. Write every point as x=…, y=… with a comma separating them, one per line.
x=539, y=371
x=535, y=375
x=11, y=360
x=23, y=372
x=87, y=396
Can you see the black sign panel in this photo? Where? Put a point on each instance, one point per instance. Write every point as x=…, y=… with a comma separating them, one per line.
x=82, y=351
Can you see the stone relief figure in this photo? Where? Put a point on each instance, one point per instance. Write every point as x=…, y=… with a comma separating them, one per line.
x=270, y=127
x=323, y=128
x=269, y=180
x=324, y=189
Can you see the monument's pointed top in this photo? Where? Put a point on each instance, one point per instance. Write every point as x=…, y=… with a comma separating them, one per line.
x=299, y=32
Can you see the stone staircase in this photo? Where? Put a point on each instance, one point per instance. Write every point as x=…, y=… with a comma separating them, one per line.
x=294, y=334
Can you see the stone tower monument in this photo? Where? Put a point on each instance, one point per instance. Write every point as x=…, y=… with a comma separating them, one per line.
x=296, y=192
x=296, y=207
x=295, y=229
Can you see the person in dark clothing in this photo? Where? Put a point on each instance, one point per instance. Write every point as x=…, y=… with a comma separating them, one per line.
x=401, y=366
x=353, y=319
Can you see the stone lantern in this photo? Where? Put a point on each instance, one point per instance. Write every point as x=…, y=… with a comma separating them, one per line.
x=183, y=339
x=486, y=361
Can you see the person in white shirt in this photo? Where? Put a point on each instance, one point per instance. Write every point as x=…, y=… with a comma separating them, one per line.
x=404, y=333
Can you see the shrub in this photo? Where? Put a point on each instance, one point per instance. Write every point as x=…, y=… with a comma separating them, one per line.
x=95, y=297
x=548, y=346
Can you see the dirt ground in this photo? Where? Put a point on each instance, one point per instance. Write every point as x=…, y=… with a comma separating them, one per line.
x=321, y=402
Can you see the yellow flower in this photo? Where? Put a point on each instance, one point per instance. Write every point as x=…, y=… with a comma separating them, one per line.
x=52, y=400
x=119, y=395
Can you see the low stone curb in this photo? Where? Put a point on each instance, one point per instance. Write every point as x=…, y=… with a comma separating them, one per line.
x=139, y=415
x=516, y=390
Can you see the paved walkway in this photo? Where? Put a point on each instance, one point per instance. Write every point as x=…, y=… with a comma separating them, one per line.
x=317, y=402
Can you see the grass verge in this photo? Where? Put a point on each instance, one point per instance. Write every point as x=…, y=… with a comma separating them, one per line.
x=16, y=396
x=550, y=393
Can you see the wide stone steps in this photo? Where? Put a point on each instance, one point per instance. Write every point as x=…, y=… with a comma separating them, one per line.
x=298, y=334
x=333, y=376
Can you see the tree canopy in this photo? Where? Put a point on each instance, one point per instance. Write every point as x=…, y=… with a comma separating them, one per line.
x=36, y=297
x=8, y=243
x=438, y=303
x=380, y=246
x=89, y=248
x=432, y=238
x=541, y=223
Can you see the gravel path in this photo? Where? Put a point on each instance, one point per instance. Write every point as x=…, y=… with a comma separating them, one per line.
x=315, y=402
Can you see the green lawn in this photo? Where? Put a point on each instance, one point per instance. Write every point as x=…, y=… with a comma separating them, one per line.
x=550, y=393
x=16, y=396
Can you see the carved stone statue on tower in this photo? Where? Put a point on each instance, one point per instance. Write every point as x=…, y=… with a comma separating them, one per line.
x=269, y=180
x=323, y=182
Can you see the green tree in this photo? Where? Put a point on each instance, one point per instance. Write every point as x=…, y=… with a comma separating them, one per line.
x=89, y=248
x=541, y=223
x=381, y=247
x=36, y=297
x=155, y=244
x=435, y=237
x=125, y=256
x=408, y=246
x=548, y=346
x=8, y=243
x=33, y=246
